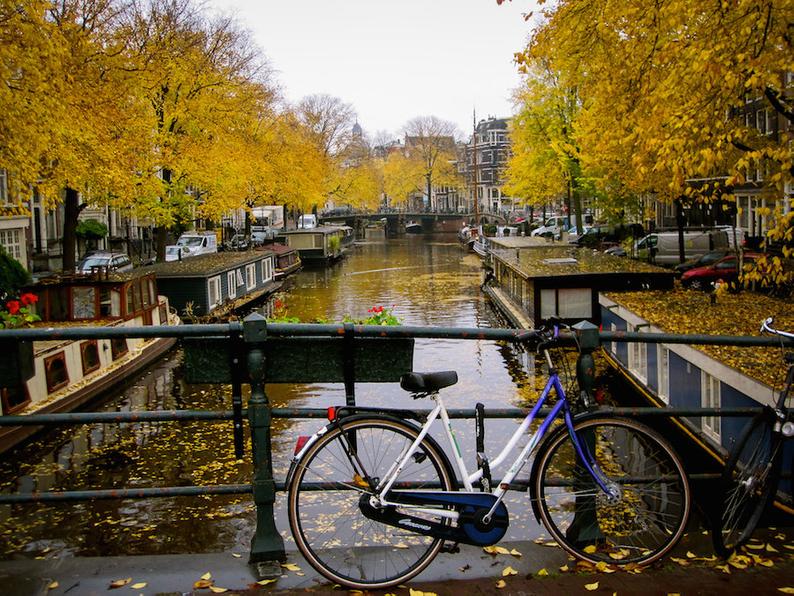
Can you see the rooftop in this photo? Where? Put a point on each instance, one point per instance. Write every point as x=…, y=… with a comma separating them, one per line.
x=205, y=265
x=690, y=311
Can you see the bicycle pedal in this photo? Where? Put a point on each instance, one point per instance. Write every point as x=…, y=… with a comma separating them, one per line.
x=450, y=548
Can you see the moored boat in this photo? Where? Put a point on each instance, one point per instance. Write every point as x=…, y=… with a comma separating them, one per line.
x=413, y=227
x=59, y=375
x=287, y=260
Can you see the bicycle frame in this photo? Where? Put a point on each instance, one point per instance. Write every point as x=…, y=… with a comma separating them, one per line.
x=502, y=487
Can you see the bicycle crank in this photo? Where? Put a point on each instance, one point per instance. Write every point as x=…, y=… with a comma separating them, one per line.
x=472, y=526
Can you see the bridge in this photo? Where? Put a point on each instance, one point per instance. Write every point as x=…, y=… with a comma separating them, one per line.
x=431, y=221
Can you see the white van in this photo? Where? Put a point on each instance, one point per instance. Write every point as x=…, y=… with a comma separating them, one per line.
x=662, y=247
x=307, y=221
x=553, y=227
x=197, y=243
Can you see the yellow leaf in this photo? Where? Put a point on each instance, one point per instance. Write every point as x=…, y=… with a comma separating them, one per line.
x=590, y=549
x=754, y=546
x=217, y=590
x=544, y=573
x=118, y=583
x=236, y=556
x=202, y=584
x=501, y=584
x=290, y=567
x=496, y=550
x=737, y=563
x=786, y=590
x=564, y=568
x=509, y=571
x=724, y=569
x=207, y=575
x=682, y=562
x=690, y=554
x=515, y=553
x=53, y=585
x=138, y=586
x=591, y=587
x=771, y=549
x=265, y=582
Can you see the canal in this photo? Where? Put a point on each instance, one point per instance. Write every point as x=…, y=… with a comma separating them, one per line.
x=423, y=279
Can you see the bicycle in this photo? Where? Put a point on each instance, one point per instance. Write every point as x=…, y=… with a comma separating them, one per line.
x=373, y=498
x=753, y=466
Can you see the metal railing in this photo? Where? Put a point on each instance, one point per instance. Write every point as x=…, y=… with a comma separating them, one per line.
x=246, y=344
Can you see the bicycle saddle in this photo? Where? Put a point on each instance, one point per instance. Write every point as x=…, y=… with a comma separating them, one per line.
x=428, y=382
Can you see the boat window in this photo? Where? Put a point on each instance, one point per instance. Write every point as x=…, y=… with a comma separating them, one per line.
x=214, y=288
x=109, y=302
x=89, y=355
x=267, y=269
x=130, y=291
x=231, y=282
x=163, y=314
x=14, y=398
x=250, y=276
x=118, y=347
x=152, y=292
x=58, y=304
x=144, y=288
x=83, y=302
x=55, y=372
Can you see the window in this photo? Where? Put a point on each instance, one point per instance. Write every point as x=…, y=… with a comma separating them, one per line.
x=663, y=367
x=3, y=188
x=14, y=398
x=569, y=303
x=638, y=358
x=55, y=371
x=214, y=290
x=250, y=276
x=10, y=239
x=760, y=121
x=130, y=293
x=267, y=269
x=83, y=302
x=231, y=282
x=89, y=355
x=118, y=347
x=710, y=398
x=109, y=302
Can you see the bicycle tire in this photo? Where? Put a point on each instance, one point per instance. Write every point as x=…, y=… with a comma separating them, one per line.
x=361, y=553
x=746, y=484
x=638, y=527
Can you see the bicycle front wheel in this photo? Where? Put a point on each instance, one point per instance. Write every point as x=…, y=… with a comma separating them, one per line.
x=638, y=524
x=327, y=522
x=747, y=484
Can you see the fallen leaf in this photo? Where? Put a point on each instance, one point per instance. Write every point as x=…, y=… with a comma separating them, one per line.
x=544, y=573
x=217, y=590
x=290, y=567
x=509, y=571
x=564, y=568
x=496, y=550
x=138, y=586
x=590, y=549
x=754, y=546
x=771, y=549
x=466, y=567
x=617, y=556
x=236, y=556
x=515, y=553
x=690, y=555
x=53, y=585
x=118, y=583
x=682, y=562
x=207, y=575
x=202, y=584
x=501, y=584
x=786, y=590
x=265, y=582
x=737, y=563
x=591, y=587
x=603, y=567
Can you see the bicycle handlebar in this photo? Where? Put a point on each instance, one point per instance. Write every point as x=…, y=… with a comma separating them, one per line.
x=766, y=326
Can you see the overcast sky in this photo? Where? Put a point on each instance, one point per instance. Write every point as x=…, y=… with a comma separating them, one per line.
x=393, y=60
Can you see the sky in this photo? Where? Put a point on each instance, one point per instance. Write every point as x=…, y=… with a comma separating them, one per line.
x=392, y=60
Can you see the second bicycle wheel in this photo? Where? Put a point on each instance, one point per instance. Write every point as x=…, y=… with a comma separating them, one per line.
x=327, y=522
x=746, y=485
x=641, y=524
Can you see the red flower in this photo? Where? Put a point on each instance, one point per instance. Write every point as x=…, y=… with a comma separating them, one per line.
x=29, y=298
x=13, y=306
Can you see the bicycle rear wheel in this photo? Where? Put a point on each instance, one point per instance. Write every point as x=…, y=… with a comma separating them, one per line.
x=327, y=522
x=747, y=483
x=641, y=524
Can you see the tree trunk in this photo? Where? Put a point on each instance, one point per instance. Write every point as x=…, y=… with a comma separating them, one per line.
x=159, y=243
x=679, y=220
x=71, y=209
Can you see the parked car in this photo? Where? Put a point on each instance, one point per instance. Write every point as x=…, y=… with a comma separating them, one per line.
x=197, y=243
x=725, y=270
x=553, y=227
x=573, y=234
x=105, y=260
x=173, y=253
x=701, y=261
x=662, y=247
x=307, y=221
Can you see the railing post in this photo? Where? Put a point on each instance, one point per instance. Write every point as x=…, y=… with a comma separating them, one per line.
x=589, y=341
x=267, y=544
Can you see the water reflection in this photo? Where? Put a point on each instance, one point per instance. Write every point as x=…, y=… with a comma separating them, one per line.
x=427, y=280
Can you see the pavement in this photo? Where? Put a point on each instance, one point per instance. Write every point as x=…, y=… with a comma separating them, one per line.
x=538, y=568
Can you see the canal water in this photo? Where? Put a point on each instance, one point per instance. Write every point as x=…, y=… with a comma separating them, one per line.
x=423, y=279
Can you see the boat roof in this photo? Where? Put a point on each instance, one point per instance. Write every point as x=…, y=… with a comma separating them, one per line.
x=325, y=229
x=82, y=279
x=207, y=265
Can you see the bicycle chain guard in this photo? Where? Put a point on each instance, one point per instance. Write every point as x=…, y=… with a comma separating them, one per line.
x=472, y=507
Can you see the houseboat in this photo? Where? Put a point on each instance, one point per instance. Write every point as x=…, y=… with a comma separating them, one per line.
x=680, y=375
x=53, y=376
x=216, y=285
x=288, y=260
x=413, y=227
x=532, y=281
x=316, y=246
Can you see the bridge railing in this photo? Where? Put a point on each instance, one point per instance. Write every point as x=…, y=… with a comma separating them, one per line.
x=255, y=352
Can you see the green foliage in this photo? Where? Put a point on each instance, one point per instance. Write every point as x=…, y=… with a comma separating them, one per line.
x=13, y=275
x=91, y=229
x=489, y=229
x=334, y=243
x=378, y=315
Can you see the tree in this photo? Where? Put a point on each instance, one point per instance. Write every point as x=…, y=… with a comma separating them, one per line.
x=402, y=177
x=664, y=87
x=430, y=141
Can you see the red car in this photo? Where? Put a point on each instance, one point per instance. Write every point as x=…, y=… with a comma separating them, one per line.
x=725, y=269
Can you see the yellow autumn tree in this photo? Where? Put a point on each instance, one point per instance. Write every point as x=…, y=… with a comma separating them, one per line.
x=402, y=177
x=664, y=90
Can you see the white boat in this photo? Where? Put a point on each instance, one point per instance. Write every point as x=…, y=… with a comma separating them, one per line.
x=413, y=227
x=481, y=246
x=60, y=375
